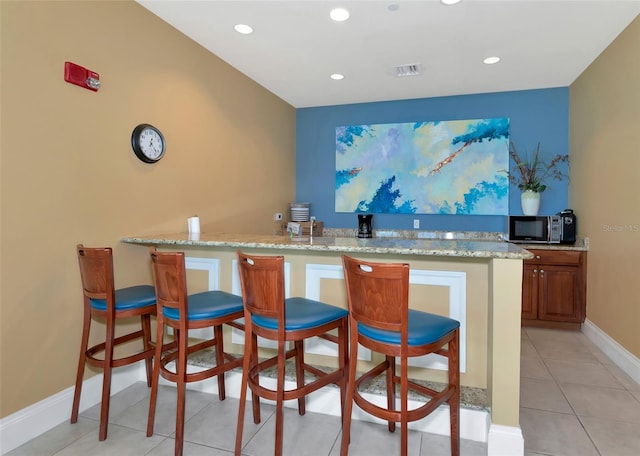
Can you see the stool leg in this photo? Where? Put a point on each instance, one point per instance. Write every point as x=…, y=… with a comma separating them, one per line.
x=81, y=363
x=391, y=389
x=246, y=365
x=181, y=369
x=146, y=343
x=454, y=401
x=343, y=362
x=106, y=380
x=280, y=396
x=404, y=406
x=254, y=362
x=217, y=331
x=299, y=360
x=351, y=386
x=157, y=359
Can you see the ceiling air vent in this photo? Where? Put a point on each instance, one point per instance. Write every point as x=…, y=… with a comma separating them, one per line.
x=412, y=69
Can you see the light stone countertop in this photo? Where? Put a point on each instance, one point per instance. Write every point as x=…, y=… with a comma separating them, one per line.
x=455, y=246
x=580, y=245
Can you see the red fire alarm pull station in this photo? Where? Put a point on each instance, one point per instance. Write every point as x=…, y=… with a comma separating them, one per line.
x=80, y=76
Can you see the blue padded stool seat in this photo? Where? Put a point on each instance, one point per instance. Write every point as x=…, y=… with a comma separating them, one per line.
x=129, y=298
x=303, y=313
x=424, y=328
x=208, y=304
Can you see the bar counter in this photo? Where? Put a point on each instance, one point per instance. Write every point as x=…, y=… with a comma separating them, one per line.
x=477, y=281
x=473, y=248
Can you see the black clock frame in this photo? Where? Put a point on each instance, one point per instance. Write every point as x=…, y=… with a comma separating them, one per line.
x=135, y=143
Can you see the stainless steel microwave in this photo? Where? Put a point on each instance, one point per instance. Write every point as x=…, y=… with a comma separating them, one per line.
x=532, y=229
x=544, y=229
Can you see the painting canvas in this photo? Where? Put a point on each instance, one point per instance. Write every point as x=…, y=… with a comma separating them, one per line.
x=434, y=167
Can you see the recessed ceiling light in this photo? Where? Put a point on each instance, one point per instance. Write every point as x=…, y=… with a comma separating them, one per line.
x=337, y=76
x=243, y=28
x=339, y=14
x=491, y=60
x=393, y=7
x=450, y=2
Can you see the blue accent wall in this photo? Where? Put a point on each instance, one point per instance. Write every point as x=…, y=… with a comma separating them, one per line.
x=535, y=116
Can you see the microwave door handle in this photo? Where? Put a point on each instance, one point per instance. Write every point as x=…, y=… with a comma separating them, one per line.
x=549, y=233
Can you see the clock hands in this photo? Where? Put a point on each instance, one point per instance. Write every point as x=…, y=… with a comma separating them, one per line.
x=153, y=145
x=156, y=147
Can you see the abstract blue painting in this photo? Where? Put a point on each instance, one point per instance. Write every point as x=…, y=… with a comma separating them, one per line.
x=434, y=167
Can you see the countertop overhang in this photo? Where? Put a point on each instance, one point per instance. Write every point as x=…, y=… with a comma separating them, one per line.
x=461, y=248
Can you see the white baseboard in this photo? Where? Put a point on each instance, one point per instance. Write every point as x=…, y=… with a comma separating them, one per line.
x=28, y=423
x=624, y=359
x=473, y=423
x=505, y=441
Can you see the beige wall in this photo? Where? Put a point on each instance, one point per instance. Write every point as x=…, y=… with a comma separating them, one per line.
x=605, y=164
x=69, y=174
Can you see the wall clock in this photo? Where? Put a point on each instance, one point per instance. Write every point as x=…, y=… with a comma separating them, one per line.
x=148, y=143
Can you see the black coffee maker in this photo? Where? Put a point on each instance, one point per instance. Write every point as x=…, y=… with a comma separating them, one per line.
x=364, y=226
x=568, y=226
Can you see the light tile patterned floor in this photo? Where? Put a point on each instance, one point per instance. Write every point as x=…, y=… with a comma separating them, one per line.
x=574, y=402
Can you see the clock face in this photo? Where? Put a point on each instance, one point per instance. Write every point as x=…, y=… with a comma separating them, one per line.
x=148, y=143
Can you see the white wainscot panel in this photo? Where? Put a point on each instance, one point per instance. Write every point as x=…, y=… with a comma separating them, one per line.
x=457, y=284
x=315, y=273
x=212, y=266
x=455, y=281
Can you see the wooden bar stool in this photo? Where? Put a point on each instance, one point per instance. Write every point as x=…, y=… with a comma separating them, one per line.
x=182, y=313
x=268, y=314
x=103, y=302
x=380, y=319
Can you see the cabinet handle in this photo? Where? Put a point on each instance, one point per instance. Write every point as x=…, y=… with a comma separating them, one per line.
x=541, y=271
x=537, y=257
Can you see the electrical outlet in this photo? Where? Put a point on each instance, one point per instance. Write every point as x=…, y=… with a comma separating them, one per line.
x=277, y=216
x=416, y=224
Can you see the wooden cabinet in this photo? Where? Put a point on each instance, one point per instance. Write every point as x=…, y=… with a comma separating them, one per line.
x=554, y=288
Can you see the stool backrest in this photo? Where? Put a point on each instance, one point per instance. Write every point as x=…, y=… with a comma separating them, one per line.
x=96, y=272
x=262, y=281
x=169, y=280
x=378, y=293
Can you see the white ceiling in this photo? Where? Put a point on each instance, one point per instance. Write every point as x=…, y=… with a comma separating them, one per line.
x=296, y=46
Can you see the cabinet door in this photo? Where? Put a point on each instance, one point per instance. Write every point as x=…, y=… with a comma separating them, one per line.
x=529, y=291
x=558, y=288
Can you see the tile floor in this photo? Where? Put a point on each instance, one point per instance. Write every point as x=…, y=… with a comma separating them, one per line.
x=573, y=399
x=574, y=402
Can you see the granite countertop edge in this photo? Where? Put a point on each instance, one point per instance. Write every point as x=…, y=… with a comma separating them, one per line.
x=449, y=244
